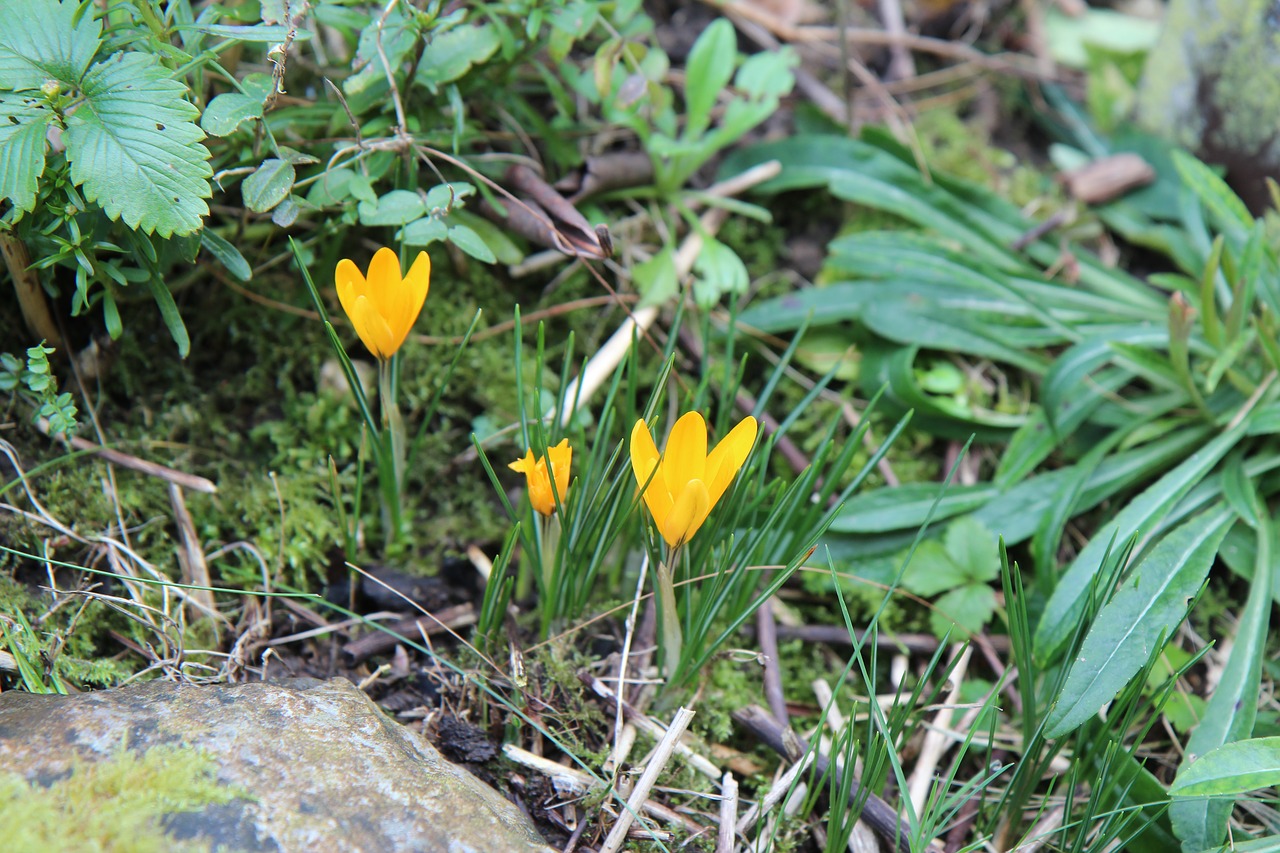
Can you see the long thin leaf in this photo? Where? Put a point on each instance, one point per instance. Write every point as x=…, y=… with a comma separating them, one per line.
x=1145, y=610
x=1063, y=610
x=1233, y=705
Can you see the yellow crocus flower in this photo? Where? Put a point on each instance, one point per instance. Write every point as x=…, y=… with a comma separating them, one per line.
x=539, y=481
x=383, y=305
x=688, y=481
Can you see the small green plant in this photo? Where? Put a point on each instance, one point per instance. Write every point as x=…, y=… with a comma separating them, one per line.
x=100, y=155
x=36, y=376
x=959, y=570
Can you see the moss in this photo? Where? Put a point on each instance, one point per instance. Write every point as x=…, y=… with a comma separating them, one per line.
x=116, y=804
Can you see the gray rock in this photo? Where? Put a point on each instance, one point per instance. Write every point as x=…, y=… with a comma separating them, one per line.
x=317, y=765
x=1212, y=84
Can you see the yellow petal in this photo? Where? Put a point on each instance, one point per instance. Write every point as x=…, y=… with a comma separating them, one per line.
x=384, y=276
x=525, y=465
x=644, y=463
x=728, y=456
x=349, y=282
x=685, y=457
x=371, y=328
x=687, y=515
x=561, y=457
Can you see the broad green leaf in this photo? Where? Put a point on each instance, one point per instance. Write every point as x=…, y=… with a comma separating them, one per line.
x=1270, y=844
x=398, y=207
x=135, y=149
x=469, y=241
x=448, y=196
x=1144, y=612
x=1233, y=704
x=907, y=506
x=505, y=251
x=837, y=303
x=423, y=232
x=228, y=255
x=397, y=35
x=286, y=212
x=450, y=55
x=225, y=113
x=656, y=279
x=43, y=40
x=1072, y=37
x=333, y=187
x=1231, y=769
x=22, y=148
x=718, y=271
x=707, y=73
x=767, y=75
x=268, y=186
x=907, y=320
x=1066, y=604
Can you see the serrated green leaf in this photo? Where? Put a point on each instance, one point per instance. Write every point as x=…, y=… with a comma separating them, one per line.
x=970, y=606
x=931, y=570
x=44, y=40
x=974, y=548
x=226, y=254
x=656, y=279
x=135, y=149
x=469, y=241
x=22, y=149
x=718, y=270
x=1234, y=768
x=268, y=185
x=450, y=55
x=228, y=111
x=1147, y=608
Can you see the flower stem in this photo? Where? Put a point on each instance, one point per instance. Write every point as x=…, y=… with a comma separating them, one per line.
x=391, y=467
x=668, y=616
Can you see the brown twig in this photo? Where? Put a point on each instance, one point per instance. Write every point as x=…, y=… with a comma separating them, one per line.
x=133, y=463
x=195, y=569
x=878, y=814
x=379, y=641
x=31, y=298
x=838, y=635
x=767, y=637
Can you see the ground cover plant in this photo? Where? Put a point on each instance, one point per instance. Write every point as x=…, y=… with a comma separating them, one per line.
x=601, y=378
